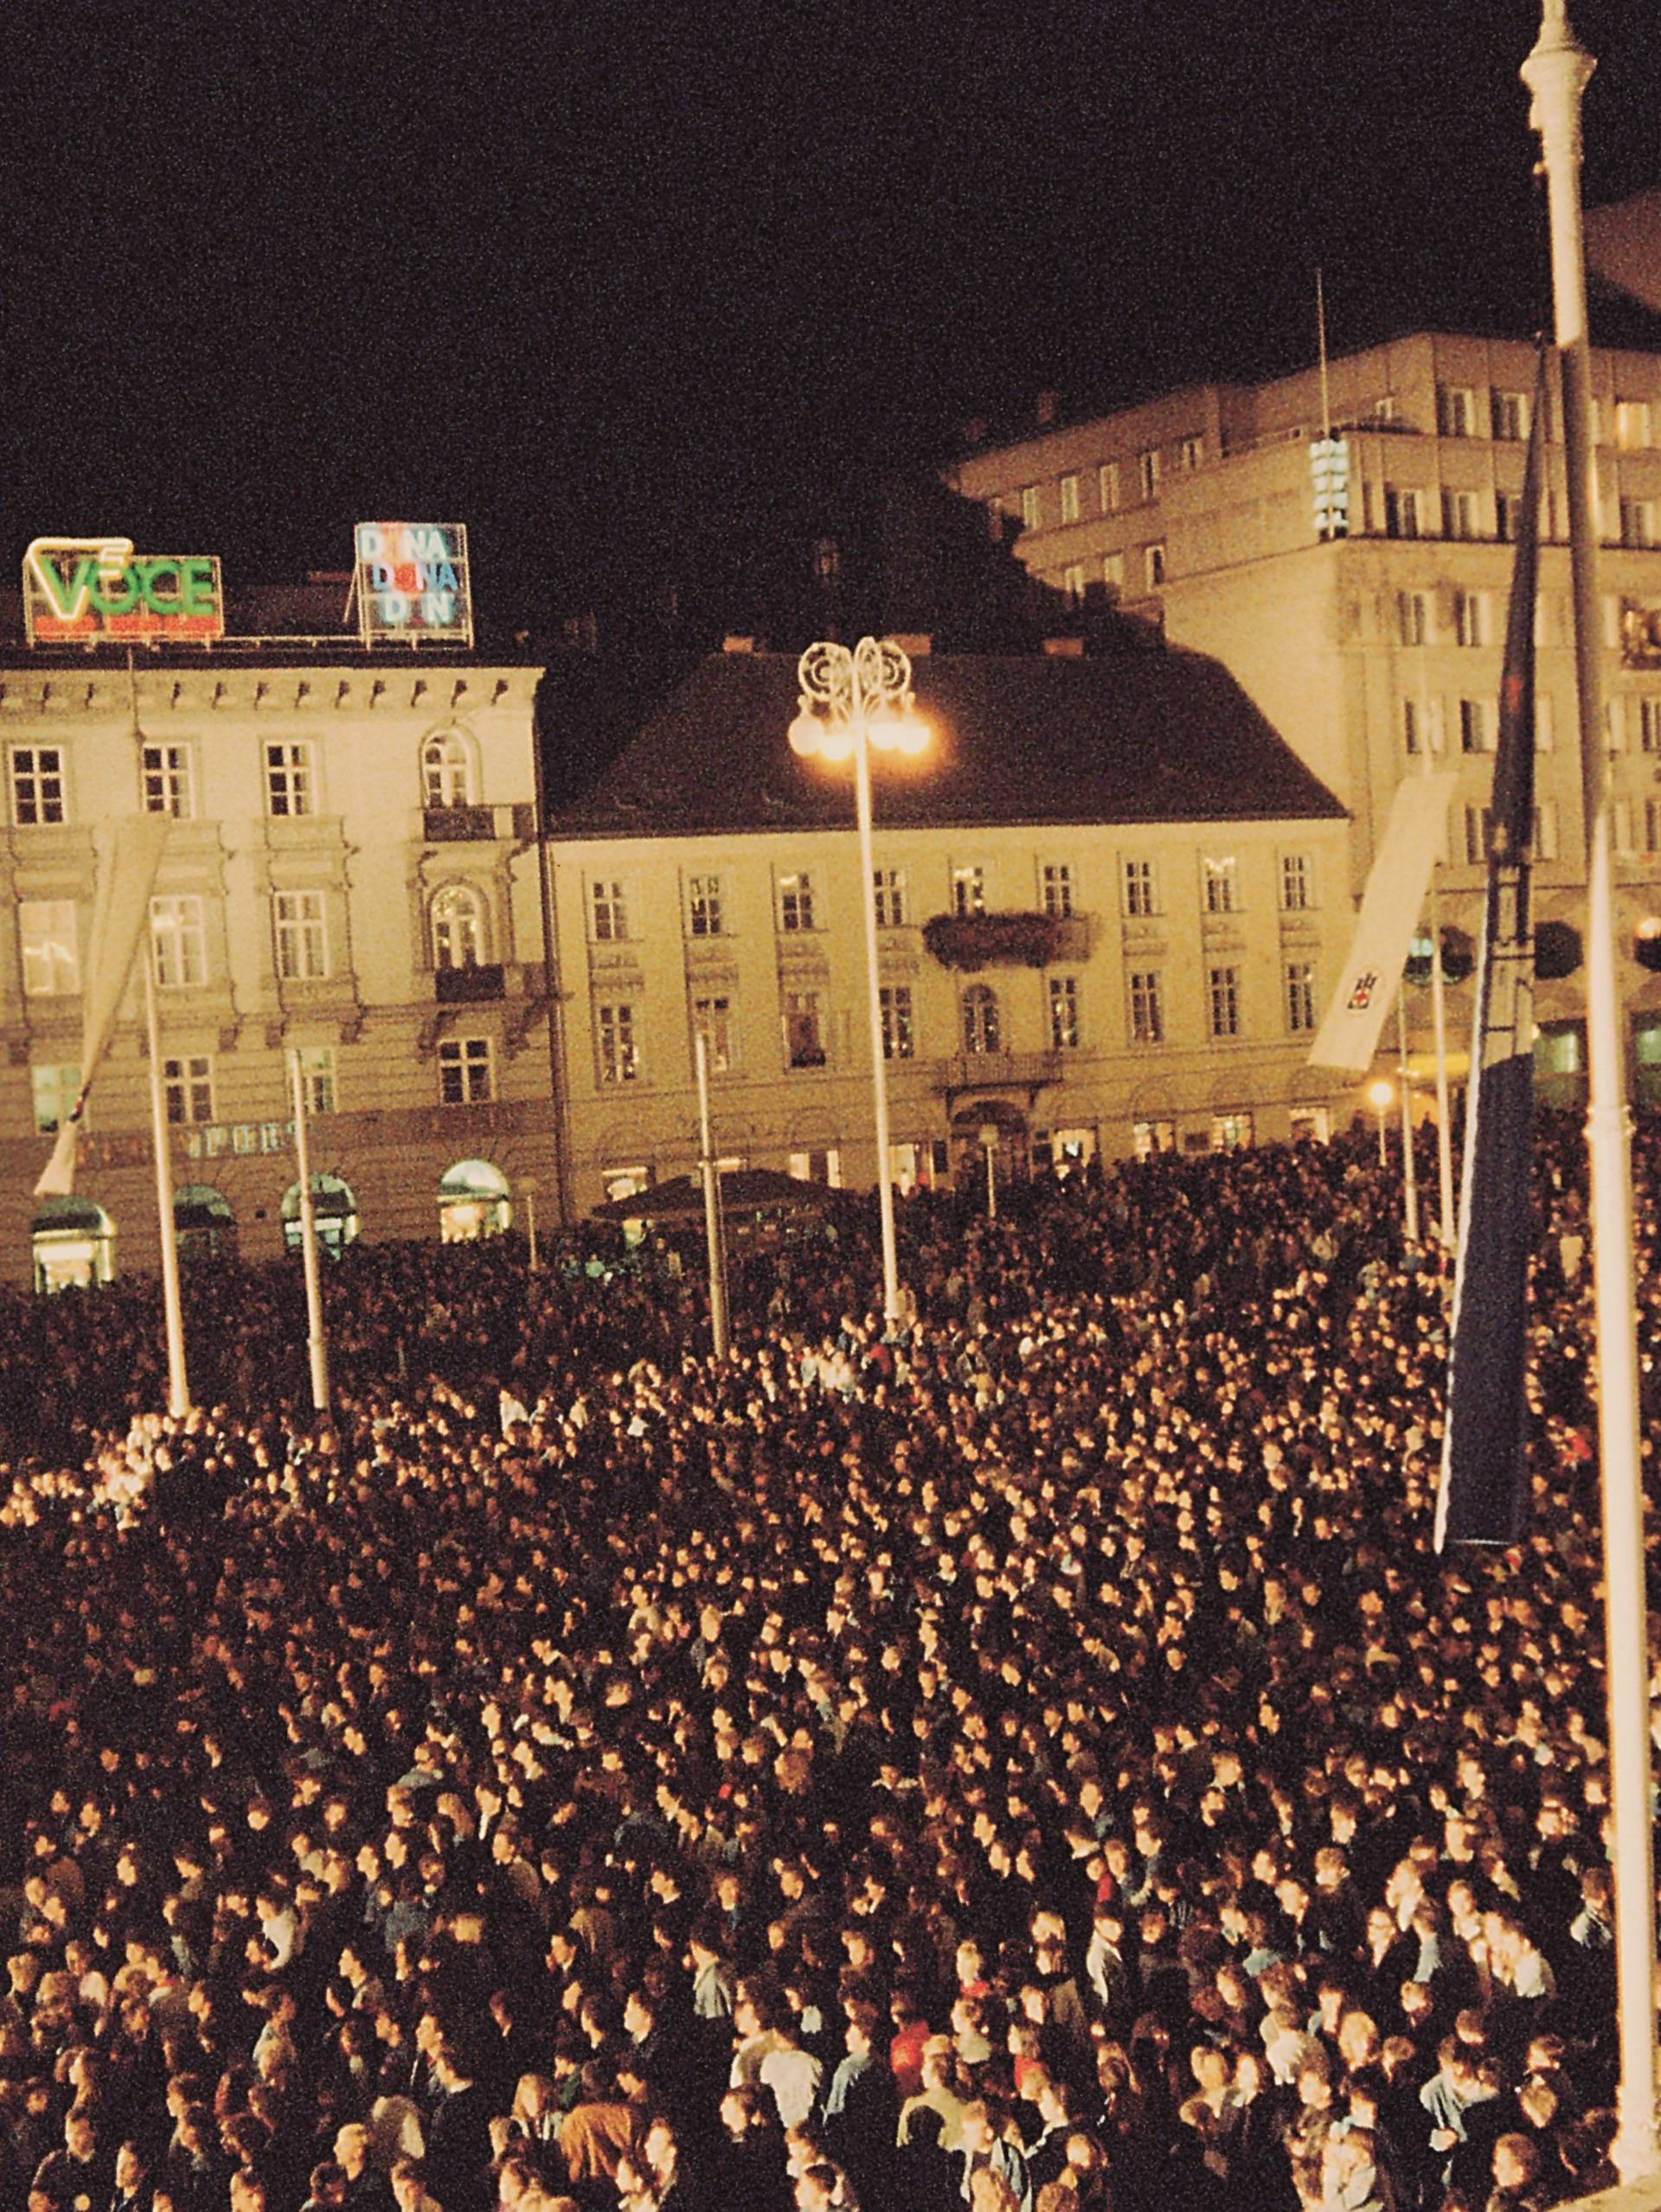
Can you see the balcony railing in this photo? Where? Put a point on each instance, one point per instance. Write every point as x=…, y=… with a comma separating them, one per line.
x=457, y=824
x=998, y=1071
x=468, y=986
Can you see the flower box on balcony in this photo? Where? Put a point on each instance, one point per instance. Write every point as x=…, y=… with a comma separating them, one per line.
x=994, y=940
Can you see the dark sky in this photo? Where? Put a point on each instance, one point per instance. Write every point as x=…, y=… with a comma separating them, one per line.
x=596, y=280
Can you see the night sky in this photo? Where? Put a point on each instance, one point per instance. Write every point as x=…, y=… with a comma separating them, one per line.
x=604, y=281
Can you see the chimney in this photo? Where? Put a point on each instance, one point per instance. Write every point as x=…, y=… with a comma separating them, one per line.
x=1048, y=408
x=1065, y=649
x=914, y=644
x=738, y=644
x=974, y=431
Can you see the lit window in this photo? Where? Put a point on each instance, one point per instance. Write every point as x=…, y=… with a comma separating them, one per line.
x=969, y=890
x=1231, y=1130
x=176, y=932
x=46, y=937
x=188, y=1088
x=1190, y=453
x=54, y=1090
x=888, y=895
x=1649, y=724
x=1459, y=514
x=1031, y=512
x=457, y=927
x=1141, y=888
x=302, y=942
x=1472, y=619
x=796, y=904
x=1107, y=486
x=1112, y=572
x=1147, y=470
x=1220, y=882
x=616, y=1050
x=1055, y=883
x=166, y=771
x=1072, y=583
x=899, y=1033
x=1412, y=618
x=36, y=784
x=804, y=1012
x=1476, y=836
x=1295, y=883
x=1222, y=1002
x=608, y=912
x=1147, y=1006
x=1633, y=425
x=1063, y=1013
x=1069, y=498
x=466, y=1076
x=982, y=1031
x=318, y=1077
x=1510, y=416
x=446, y=770
x=291, y=777
x=703, y=917
x=712, y=1019
x=1300, y=996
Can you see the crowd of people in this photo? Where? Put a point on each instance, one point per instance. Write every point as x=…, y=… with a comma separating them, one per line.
x=1034, y=1760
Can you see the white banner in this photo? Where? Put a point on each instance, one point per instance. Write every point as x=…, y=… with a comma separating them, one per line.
x=1348, y=1038
x=121, y=917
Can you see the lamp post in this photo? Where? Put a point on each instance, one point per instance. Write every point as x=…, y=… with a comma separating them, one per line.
x=1380, y=1094
x=854, y=700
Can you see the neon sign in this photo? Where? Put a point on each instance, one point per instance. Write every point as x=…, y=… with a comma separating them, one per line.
x=413, y=583
x=97, y=590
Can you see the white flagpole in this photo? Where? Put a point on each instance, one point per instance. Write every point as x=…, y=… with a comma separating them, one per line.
x=1556, y=73
x=1409, y=1165
x=1447, y=1226
x=316, y=1341
x=711, y=1199
x=178, y=1380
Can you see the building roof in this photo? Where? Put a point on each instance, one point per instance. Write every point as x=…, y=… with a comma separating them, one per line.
x=1157, y=736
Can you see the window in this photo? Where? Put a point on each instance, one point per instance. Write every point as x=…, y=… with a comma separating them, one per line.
x=1222, y=1002
x=1459, y=514
x=446, y=770
x=1297, y=894
x=795, y=904
x=608, y=912
x=1113, y=572
x=290, y=778
x=1633, y=425
x=458, y=928
x=1649, y=724
x=1141, y=889
x=1063, y=1013
x=1402, y=512
x=1147, y=471
x=466, y=1075
x=704, y=916
x=1300, y=996
x=318, y=1077
x=1055, y=886
x=36, y=784
x=302, y=943
x=1413, y=727
x=1032, y=511
x=1190, y=453
x=1473, y=725
x=55, y=1090
x=45, y=933
x=889, y=897
x=1476, y=836
x=1073, y=582
x=981, y=1032
x=1154, y=559
x=1508, y=515
x=188, y=1088
x=1412, y=618
x=166, y=771
x=803, y=1028
x=1148, y=1137
x=1107, y=486
x=1545, y=829
x=176, y=929
x=1456, y=411
x=616, y=1054
x=899, y=1031
x=1147, y=1007
x=1069, y=498
x=1231, y=1131
x=969, y=890
x=1510, y=416
x=1637, y=521
x=1473, y=621
x=1219, y=881
x=712, y=1019
x=1652, y=825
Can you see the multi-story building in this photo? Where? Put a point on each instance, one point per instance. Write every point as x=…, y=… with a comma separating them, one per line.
x=351, y=868
x=1109, y=900
x=1370, y=630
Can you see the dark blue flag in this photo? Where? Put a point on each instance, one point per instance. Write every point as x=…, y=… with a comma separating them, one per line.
x=1485, y=1488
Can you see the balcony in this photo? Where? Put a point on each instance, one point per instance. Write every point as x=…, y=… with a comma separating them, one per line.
x=445, y=825
x=996, y=1071
x=973, y=941
x=468, y=986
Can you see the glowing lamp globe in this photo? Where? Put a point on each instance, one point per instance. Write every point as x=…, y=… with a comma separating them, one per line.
x=806, y=733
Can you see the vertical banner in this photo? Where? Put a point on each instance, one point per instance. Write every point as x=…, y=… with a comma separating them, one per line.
x=1484, y=1498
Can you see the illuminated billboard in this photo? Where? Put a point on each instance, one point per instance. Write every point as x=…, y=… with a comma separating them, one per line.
x=412, y=584
x=98, y=591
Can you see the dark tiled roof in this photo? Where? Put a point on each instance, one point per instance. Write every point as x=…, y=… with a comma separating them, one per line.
x=1147, y=737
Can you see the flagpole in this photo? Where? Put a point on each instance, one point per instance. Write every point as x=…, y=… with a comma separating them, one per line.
x=1556, y=73
x=1409, y=1165
x=178, y=1380
x=316, y=1341
x=1438, y=1002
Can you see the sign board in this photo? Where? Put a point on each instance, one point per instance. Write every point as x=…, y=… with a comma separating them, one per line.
x=98, y=591
x=412, y=584
x=1329, y=470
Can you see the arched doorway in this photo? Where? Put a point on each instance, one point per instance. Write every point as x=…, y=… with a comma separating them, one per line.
x=333, y=1209
x=203, y=1224
x=473, y=1203
x=994, y=1125
x=73, y=1244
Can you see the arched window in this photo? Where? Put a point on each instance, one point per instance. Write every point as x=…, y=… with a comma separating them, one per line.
x=981, y=1024
x=458, y=928
x=446, y=770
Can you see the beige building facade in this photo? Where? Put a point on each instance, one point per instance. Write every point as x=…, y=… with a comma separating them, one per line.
x=1377, y=651
x=351, y=870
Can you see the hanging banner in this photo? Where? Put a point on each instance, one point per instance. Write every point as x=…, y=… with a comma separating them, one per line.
x=97, y=591
x=412, y=584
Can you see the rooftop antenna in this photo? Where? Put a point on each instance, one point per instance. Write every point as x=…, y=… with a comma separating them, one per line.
x=1320, y=335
